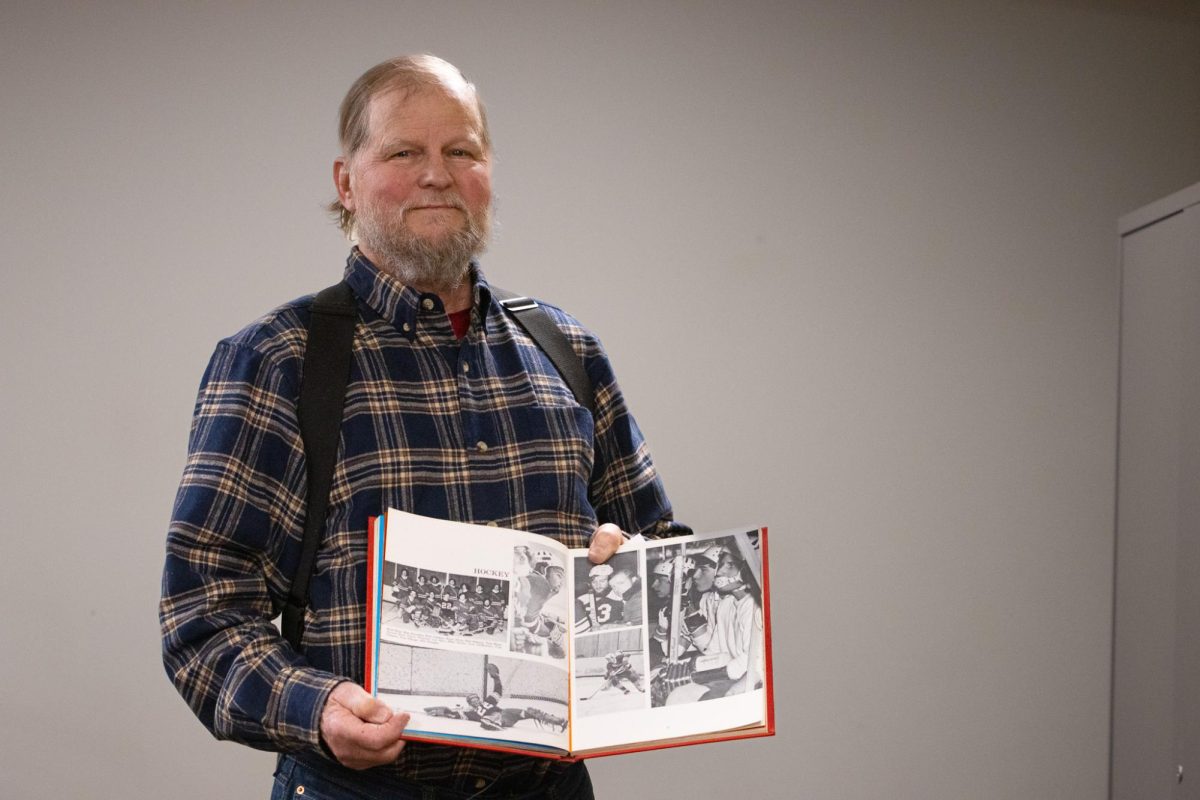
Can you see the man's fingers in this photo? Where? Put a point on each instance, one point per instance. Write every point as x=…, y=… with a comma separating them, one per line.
x=358, y=758
x=360, y=729
x=607, y=539
x=359, y=744
x=372, y=737
x=388, y=734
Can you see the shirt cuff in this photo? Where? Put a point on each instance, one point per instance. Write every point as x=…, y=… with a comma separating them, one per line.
x=665, y=528
x=302, y=693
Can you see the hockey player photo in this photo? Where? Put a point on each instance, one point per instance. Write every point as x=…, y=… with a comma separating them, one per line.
x=715, y=647
x=610, y=673
x=402, y=584
x=492, y=716
x=444, y=604
x=658, y=607
x=628, y=586
x=465, y=694
x=599, y=604
x=619, y=671
x=539, y=605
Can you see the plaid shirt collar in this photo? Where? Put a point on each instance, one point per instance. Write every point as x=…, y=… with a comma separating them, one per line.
x=403, y=306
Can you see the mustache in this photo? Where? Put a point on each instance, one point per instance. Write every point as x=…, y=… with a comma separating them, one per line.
x=452, y=200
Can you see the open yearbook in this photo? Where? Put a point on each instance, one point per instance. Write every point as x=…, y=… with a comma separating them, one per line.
x=507, y=640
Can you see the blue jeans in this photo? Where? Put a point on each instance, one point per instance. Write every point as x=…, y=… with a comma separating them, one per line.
x=296, y=780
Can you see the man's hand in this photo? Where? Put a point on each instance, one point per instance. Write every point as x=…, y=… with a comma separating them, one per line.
x=607, y=539
x=360, y=730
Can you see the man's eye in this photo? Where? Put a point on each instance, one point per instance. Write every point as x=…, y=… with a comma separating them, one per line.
x=458, y=152
x=402, y=154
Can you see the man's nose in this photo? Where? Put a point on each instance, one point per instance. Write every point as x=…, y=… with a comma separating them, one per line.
x=434, y=175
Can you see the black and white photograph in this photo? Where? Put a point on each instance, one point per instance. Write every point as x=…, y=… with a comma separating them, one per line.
x=473, y=694
x=539, y=604
x=608, y=595
x=706, y=639
x=610, y=673
x=443, y=604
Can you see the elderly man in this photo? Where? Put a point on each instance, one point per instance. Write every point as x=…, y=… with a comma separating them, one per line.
x=451, y=411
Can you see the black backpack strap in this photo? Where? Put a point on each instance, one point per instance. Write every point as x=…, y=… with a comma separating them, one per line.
x=320, y=408
x=548, y=336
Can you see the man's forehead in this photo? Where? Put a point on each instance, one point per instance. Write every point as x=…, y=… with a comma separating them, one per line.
x=404, y=110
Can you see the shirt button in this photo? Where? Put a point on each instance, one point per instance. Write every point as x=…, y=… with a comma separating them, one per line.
x=406, y=327
x=427, y=304
x=480, y=783
x=466, y=367
x=493, y=524
x=481, y=447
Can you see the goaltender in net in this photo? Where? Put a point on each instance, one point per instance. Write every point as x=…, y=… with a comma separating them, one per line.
x=490, y=715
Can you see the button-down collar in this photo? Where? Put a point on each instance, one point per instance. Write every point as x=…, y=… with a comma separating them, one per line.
x=403, y=305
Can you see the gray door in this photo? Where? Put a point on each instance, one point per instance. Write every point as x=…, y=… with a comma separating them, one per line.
x=1156, y=655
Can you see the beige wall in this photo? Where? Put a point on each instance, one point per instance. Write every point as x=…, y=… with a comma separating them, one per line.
x=855, y=262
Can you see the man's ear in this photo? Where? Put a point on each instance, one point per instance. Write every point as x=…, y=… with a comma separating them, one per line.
x=341, y=181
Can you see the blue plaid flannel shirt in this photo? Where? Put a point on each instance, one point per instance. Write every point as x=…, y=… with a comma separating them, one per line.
x=480, y=430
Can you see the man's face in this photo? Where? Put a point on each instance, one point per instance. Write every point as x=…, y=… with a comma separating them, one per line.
x=703, y=576
x=599, y=584
x=620, y=583
x=554, y=577
x=420, y=187
x=661, y=586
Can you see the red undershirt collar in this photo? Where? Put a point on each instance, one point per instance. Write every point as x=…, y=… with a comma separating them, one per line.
x=460, y=321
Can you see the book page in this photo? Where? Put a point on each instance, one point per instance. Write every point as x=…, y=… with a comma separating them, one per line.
x=669, y=640
x=472, y=632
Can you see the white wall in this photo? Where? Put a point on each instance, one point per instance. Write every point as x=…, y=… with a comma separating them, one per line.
x=856, y=263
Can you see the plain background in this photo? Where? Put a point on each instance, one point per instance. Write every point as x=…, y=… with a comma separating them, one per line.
x=856, y=264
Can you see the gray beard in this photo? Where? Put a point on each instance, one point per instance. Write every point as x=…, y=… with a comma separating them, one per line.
x=439, y=265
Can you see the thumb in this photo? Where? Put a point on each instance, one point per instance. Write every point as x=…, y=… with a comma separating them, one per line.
x=364, y=706
x=606, y=540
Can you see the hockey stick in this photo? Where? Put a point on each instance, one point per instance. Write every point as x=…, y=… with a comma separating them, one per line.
x=598, y=691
